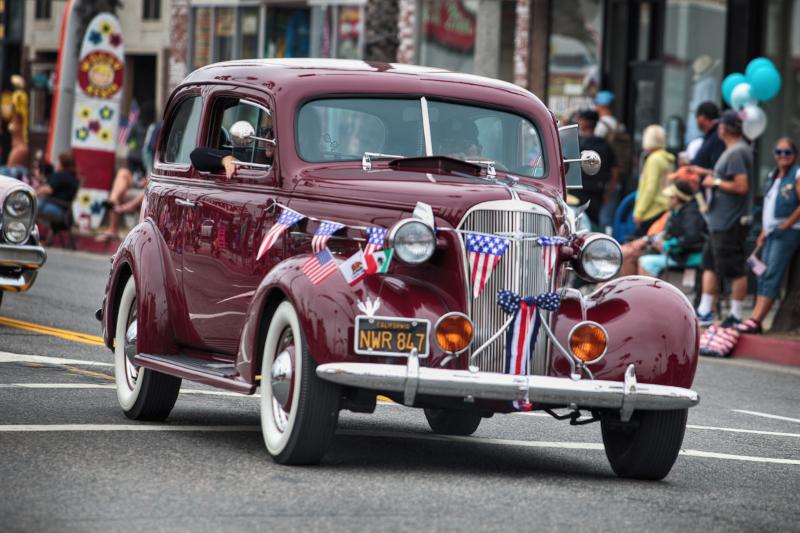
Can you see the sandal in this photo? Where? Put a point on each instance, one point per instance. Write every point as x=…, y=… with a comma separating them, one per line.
x=749, y=326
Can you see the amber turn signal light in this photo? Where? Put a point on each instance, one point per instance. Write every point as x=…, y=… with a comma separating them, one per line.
x=588, y=341
x=454, y=332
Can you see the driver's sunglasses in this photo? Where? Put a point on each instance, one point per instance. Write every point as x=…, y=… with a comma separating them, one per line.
x=783, y=152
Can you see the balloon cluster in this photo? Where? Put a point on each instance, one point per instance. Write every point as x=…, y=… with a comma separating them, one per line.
x=761, y=81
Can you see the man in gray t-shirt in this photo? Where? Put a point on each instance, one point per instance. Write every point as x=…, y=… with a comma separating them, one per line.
x=729, y=189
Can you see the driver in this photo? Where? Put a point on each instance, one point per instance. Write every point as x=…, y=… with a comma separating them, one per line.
x=222, y=159
x=459, y=139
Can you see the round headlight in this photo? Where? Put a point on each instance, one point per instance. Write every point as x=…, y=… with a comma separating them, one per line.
x=413, y=241
x=15, y=231
x=19, y=204
x=601, y=258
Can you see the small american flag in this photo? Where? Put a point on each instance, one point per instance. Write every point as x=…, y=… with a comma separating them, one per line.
x=521, y=335
x=125, y=128
x=484, y=254
x=324, y=231
x=286, y=219
x=320, y=266
x=550, y=247
x=376, y=237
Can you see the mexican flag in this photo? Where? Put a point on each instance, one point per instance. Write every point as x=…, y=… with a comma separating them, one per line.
x=378, y=262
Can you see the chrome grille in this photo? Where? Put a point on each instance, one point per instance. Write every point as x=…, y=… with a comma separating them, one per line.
x=520, y=270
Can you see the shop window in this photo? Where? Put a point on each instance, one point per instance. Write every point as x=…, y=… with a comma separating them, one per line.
x=224, y=31
x=693, y=60
x=151, y=9
x=182, y=134
x=229, y=111
x=43, y=9
x=201, y=42
x=339, y=31
x=576, y=40
x=288, y=32
x=248, y=35
x=41, y=96
x=447, y=34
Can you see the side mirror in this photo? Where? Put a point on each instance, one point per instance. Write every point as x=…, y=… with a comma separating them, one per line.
x=590, y=162
x=242, y=133
x=570, y=149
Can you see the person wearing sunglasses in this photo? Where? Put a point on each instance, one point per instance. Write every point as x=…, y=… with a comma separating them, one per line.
x=780, y=231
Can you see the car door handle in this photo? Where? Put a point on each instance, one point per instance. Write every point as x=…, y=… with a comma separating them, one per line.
x=185, y=203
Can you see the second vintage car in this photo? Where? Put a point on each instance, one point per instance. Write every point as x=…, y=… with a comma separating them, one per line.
x=330, y=231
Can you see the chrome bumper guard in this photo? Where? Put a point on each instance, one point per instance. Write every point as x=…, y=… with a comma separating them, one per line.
x=412, y=380
x=29, y=258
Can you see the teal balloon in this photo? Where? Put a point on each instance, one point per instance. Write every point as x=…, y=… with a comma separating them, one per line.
x=765, y=83
x=729, y=84
x=757, y=64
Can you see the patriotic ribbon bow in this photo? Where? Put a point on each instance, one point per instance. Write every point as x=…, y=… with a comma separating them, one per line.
x=521, y=335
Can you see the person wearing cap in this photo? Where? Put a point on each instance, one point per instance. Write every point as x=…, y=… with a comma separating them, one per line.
x=711, y=147
x=607, y=122
x=598, y=188
x=729, y=189
x=685, y=232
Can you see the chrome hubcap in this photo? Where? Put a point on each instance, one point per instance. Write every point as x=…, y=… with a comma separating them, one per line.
x=281, y=380
x=131, y=371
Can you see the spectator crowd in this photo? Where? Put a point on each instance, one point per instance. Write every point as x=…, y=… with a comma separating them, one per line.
x=697, y=210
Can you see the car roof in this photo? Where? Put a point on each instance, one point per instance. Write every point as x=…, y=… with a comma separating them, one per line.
x=319, y=76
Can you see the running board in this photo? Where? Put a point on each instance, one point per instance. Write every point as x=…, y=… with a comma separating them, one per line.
x=205, y=371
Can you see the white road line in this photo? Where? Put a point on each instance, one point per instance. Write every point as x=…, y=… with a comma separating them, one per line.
x=14, y=428
x=22, y=428
x=736, y=430
x=6, y=357
x=766, y=415
x=108, y=386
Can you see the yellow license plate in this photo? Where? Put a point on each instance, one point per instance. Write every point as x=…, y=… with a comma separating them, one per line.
x=391, y=336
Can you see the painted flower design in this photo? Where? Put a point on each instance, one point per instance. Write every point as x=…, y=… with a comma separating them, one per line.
x=96, y=208
x=106, y=28
x=82, y=134
x=85, y=113
x=85, y=199
x=115, y=39
x=105, y=136
x=95, y=38
x=106, y=113
x=94, y=126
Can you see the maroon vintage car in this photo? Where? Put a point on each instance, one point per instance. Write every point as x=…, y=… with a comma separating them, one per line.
x=20, y=253
x=336, y=230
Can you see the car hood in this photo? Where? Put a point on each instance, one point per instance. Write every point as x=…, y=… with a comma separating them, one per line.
x=450, y=195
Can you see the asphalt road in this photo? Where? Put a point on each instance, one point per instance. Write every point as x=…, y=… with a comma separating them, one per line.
x=70, y=460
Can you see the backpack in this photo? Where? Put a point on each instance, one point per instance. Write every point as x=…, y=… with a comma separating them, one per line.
x=620, y=141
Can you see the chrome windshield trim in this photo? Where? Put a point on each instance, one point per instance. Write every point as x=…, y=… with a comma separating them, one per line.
x=426, y=127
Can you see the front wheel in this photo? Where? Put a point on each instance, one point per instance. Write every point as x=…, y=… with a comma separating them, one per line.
x=647, y=446
x=299, y=411
x=452, y=422
x=143, y=394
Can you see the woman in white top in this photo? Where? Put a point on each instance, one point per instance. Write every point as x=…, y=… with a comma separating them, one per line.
x=780, y=231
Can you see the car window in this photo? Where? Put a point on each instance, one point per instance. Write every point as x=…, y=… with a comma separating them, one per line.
x=344, y=128
x=182, y=135
x=227, y=112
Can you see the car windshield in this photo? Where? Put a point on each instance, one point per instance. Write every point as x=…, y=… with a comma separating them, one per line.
x=344, y=129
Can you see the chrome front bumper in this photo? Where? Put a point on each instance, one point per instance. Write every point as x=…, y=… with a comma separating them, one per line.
x=412, y=380
x=28, y=258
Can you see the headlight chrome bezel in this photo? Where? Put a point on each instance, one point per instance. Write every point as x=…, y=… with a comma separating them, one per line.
x=395, y=232
x=583, y=261
x=9, y=216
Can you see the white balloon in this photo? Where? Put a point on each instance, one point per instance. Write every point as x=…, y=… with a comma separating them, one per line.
x=741, y=96
x=754, y=122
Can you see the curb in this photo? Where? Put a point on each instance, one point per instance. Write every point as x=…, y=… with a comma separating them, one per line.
x=776, y=350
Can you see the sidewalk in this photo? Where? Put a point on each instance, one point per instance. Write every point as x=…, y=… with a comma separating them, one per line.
x=776, y=349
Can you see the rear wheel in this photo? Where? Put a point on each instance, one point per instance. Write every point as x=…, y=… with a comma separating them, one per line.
x=143, y=394
x=647, y=446
x=452, y=422
x=299, y=411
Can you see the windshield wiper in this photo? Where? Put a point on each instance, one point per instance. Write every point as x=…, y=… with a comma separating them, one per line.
x=366, y=159
x=490, y=170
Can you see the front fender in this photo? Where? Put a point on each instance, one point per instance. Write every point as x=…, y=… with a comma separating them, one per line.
x=327, y=312
x=650, y=323
x=143, y=254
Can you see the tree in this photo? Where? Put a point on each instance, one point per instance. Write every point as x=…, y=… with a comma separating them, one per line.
x=380, y=32
x=787, y=318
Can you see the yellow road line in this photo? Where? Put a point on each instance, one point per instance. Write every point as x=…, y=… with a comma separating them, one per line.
x=74, y=336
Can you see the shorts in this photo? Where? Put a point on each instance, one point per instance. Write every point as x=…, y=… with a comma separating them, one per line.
x=779, y=249
x=725, y=252
x=655, y=264
x=51, y=211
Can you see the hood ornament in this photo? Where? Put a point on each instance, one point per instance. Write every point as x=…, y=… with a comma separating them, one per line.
x=368, y=306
